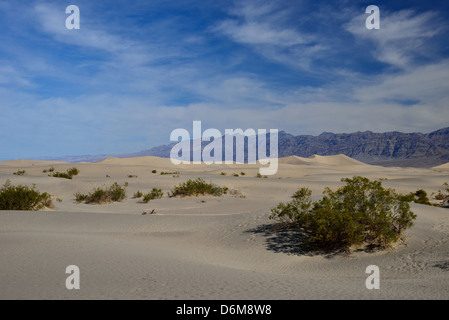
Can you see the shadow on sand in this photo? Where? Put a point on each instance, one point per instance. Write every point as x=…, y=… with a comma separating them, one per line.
x=444, y=265
x=282, y=238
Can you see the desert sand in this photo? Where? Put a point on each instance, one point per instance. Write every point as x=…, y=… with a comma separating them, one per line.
x=208, y=247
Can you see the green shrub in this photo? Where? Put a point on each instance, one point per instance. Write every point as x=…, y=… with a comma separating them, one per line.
x=116, y=192
x=153, y=171
x=61, y=175
x=66, y=175
x=439, y=196
x=138, y=194
x=19, y=173
x=197, y=187
x=79, y=197
x=361, y=212
x=73, y=171
x=443, y=194
x=420, y=196
x=259, y=175
x=302, y=193
x=51, y=169
x=132, y=176
x=223, y=173
x=166, y=173
x=22, y=198
x=154, y=194
x=99, y=196
x=242, y=173
x=235, y=174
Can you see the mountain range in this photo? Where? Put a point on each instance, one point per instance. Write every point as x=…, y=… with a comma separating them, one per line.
x=399, y=149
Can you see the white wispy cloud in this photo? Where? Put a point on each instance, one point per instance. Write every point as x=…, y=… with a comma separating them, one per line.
x=52, y=20
x=262, y=25
x=404, y=36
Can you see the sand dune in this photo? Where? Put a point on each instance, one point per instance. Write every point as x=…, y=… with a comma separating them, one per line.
x=442, y=167
x=337, y=160
x=295, y=160
x=207, y=247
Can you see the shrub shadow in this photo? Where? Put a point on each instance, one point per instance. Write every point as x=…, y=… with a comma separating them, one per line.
x=282, y=238
x=443, y=265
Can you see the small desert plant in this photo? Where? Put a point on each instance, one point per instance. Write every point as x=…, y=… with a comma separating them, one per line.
x=420, y=196
x=114, y=193
x=242, y=173
x=98, y=196
x=197, y=187
x=19, y=173
x=439, y=196
x=223, y=173
x=66, y=175
x=235, y=174
x=153, y=171
x=23, y=198
x=45, y=171
x=137, y=195
x=443, y=195
x=73, y=171
x=61, y=175
x=154, y=194
x=259, y=175
x=51, y=169
x=79, y=197
x=302, y=193
x=361, y=212
x=167, y=173
x=132, y=176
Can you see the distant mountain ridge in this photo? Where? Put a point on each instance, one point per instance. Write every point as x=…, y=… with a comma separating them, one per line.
x=386, y=149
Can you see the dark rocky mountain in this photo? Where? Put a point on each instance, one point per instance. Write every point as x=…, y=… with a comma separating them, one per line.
x=387, y=149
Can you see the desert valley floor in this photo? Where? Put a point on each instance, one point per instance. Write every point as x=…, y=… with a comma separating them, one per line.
x=208, y=247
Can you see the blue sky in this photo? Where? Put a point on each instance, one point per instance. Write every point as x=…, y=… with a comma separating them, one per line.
x=136, y=70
